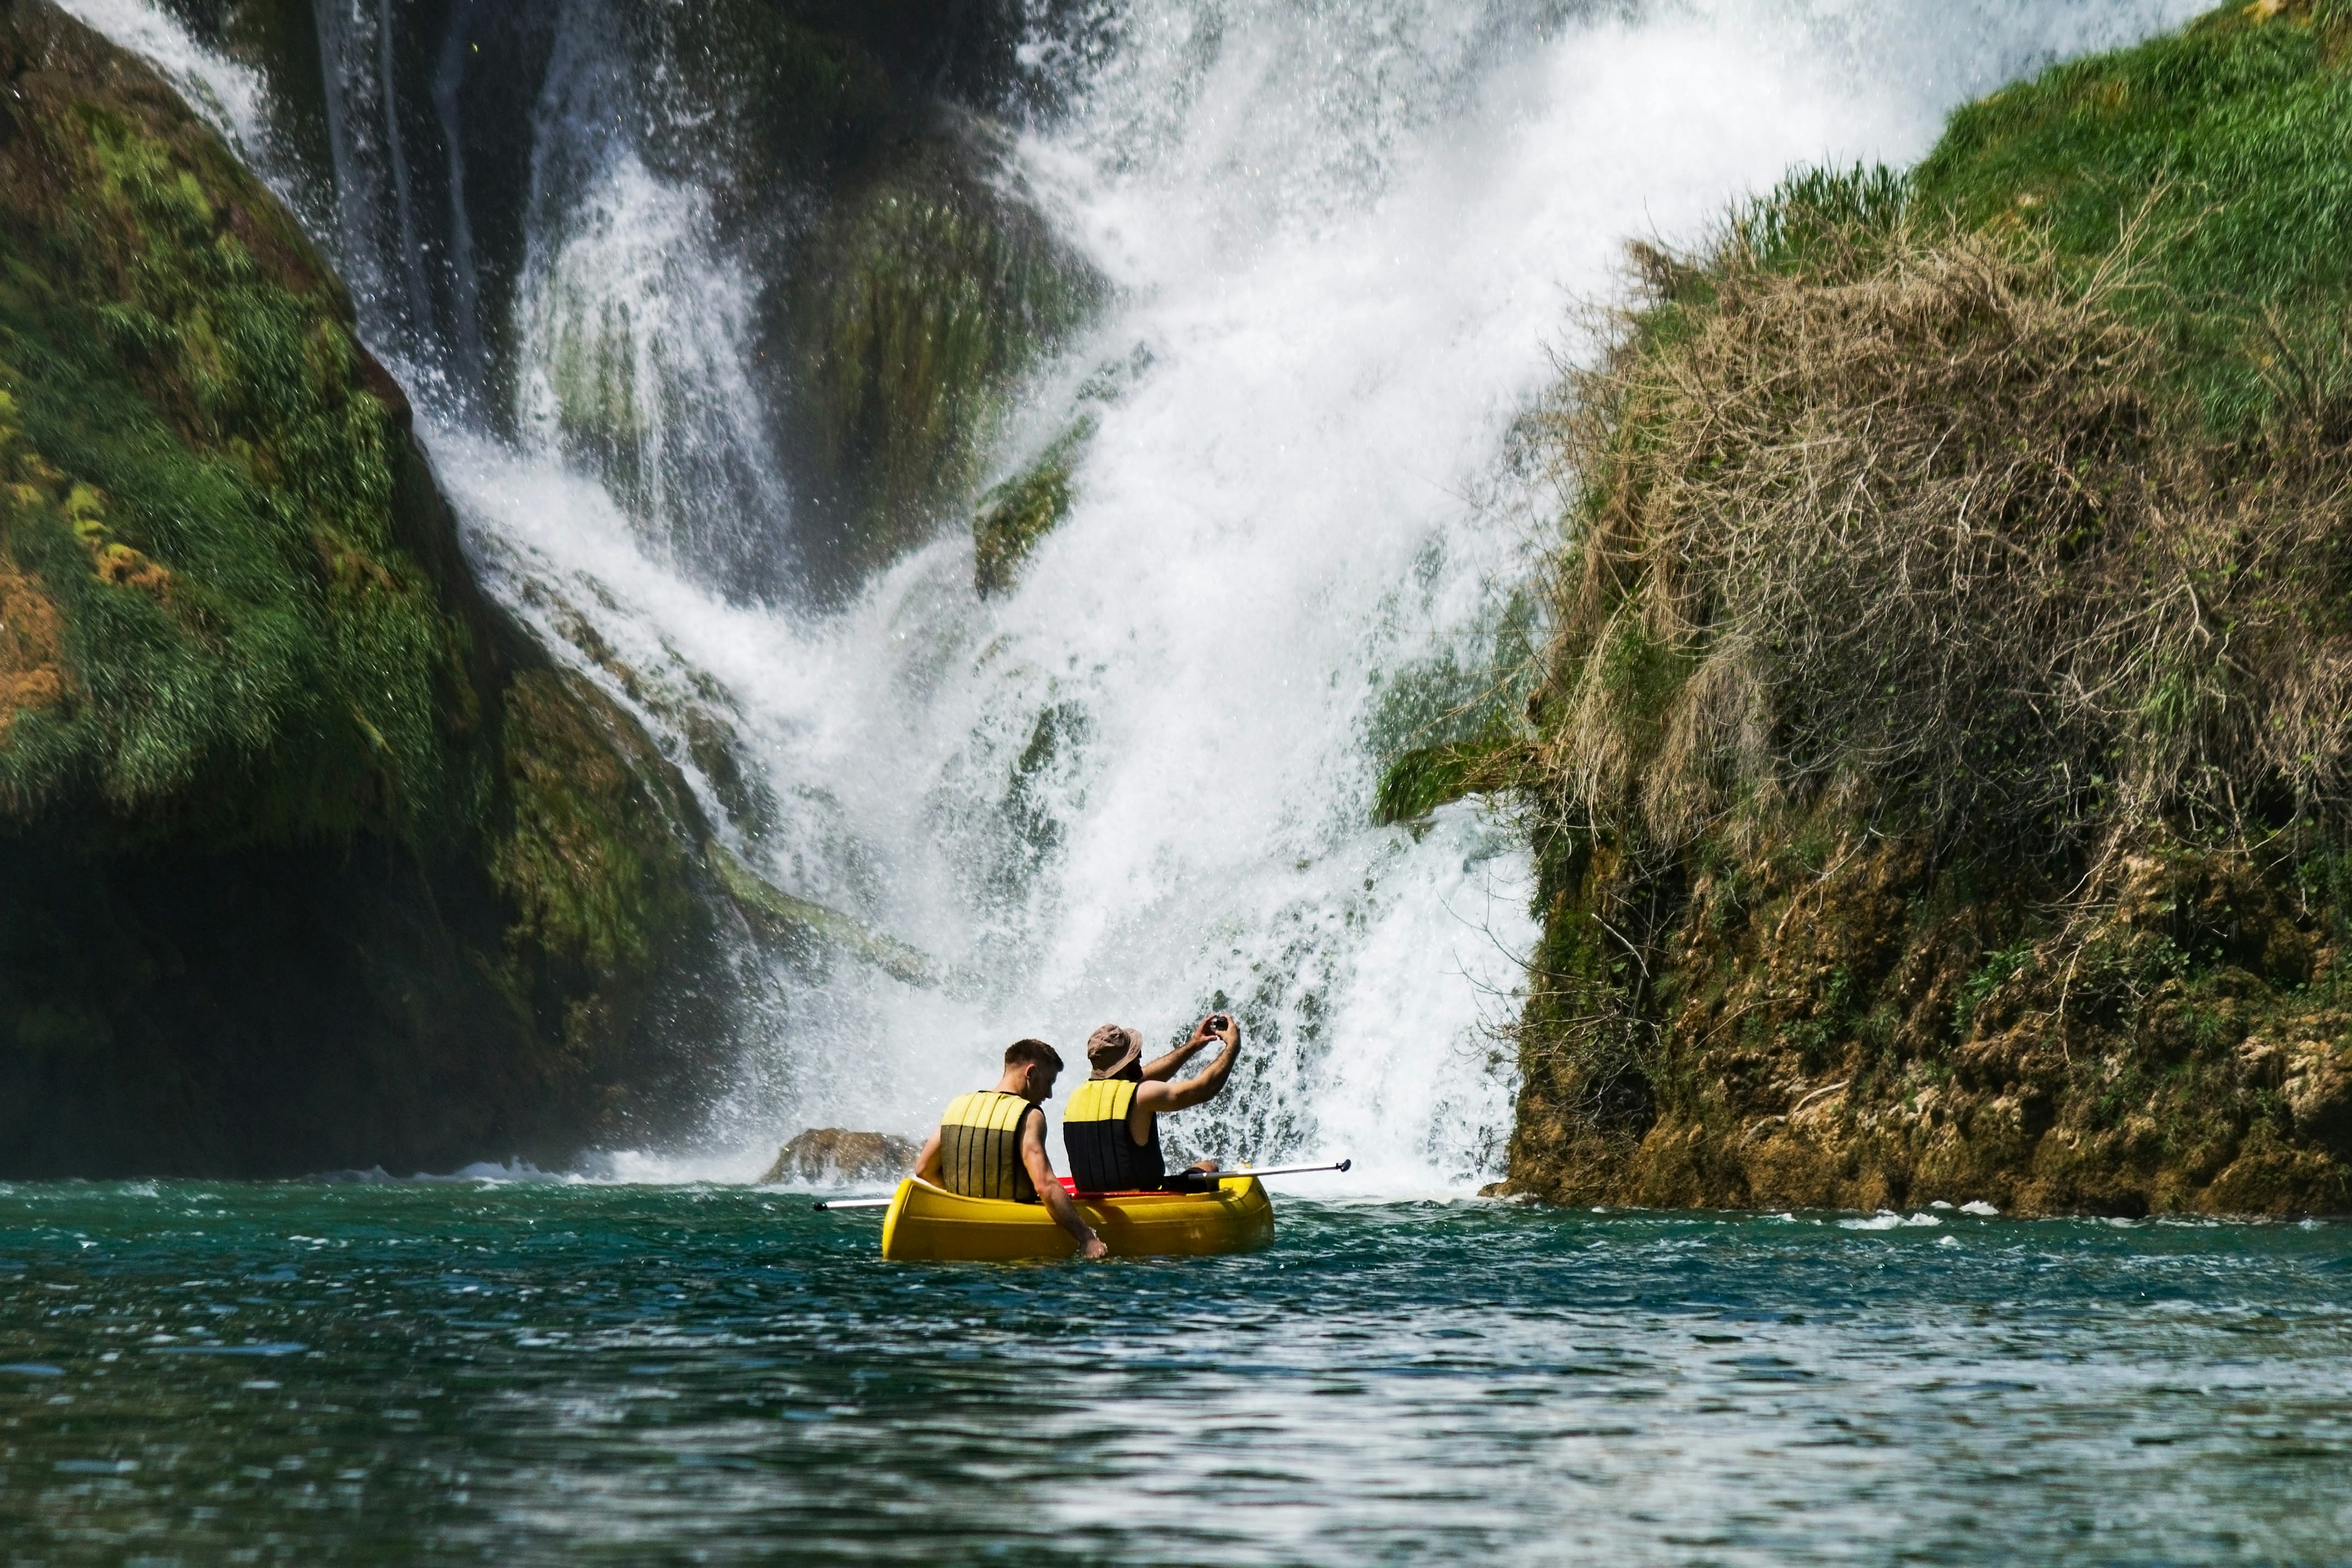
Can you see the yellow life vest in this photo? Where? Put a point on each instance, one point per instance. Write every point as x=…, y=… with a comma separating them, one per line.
x=980, y=1146
x=1104, y=1155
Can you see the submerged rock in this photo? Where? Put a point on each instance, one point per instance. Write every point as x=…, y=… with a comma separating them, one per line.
x=311, y=858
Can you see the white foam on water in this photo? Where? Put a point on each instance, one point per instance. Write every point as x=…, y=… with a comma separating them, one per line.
x=1887, y=1219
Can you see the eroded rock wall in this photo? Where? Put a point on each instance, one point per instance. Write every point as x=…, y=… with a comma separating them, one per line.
x=1843, y=1024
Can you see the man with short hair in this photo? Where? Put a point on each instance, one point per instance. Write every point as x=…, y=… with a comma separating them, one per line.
x=1112, y=1126
x=991, y=1143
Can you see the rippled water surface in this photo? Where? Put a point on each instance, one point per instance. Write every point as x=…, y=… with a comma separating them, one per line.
x=540, y=1373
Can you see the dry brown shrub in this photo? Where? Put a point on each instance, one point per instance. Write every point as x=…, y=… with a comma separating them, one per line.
x=1920, y=517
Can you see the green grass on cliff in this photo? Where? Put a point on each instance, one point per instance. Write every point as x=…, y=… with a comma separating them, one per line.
x=2200, y=183
x=2007, y=494
x=2228, y=149
x=205, y=491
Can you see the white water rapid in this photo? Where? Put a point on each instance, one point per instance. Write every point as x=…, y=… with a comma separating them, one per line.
x=1348, y=238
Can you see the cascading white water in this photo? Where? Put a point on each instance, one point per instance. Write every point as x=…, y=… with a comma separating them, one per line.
x=228, y=95
x=1348, y=238
x=634, y=324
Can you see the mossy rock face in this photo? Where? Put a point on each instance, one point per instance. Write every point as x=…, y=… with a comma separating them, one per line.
x=1829, y=924
x=925, y=290
x=473, y=70
x=200, y=464
x=280, y=38
x=311, y=858
x=910, y=279
x=965, y=50
x=1870, y=1031
x=772, y=102
x=1014, y=515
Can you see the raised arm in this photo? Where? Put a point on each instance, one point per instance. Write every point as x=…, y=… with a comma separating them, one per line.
x=1164, y=1069
x=1057, y=1202
x=1208, y=1084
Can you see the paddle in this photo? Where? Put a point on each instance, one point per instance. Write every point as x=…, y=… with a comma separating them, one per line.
x=1204, y=1177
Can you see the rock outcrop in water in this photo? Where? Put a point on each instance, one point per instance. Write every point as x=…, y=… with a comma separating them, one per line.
x=1942, y=778
x=308, y=855
x=836, y=1154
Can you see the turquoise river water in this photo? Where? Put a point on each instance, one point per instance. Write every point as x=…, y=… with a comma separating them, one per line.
x=528, y=1373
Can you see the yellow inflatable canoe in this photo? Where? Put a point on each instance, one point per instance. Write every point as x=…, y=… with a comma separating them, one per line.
x=928, y=1224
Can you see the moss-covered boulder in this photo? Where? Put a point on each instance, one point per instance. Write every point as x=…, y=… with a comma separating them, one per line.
x=308, y=858
x=908, y=279
x=1939, y=780
x=929, y=286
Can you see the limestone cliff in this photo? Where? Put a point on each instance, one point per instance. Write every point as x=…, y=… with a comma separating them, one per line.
x=308, y=858
x=1939, y=775
x=854, y=156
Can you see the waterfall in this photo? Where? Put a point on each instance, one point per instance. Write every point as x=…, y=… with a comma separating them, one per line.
x=1348, y=242
x=636, y=324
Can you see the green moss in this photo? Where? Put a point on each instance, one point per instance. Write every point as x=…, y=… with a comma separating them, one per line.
x=777, y=100
x=1022, y=511
x=1427, y=777
x=581, y=861
x=796, y=924
x=1037, y=829
x=1456, y=723
x=204, y=481
x=1995, y=972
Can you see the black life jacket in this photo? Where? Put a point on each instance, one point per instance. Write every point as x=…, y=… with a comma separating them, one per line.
x=1105, y=1156
x=980, y=1146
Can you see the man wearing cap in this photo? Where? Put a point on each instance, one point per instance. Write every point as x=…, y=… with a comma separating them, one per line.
x=1112, y=1126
